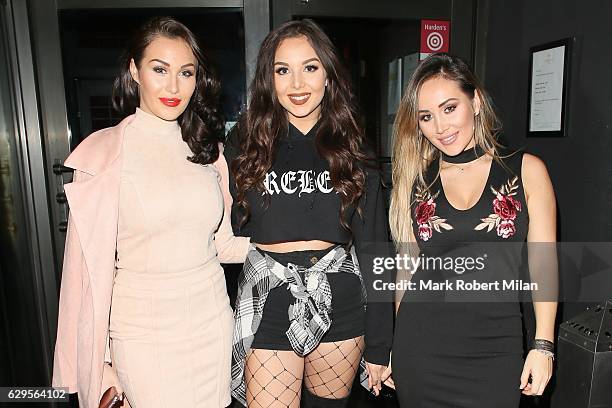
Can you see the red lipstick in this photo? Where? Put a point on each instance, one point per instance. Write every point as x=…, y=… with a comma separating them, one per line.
x=172, y=102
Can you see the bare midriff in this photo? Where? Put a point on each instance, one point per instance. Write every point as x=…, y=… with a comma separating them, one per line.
x=283, y=247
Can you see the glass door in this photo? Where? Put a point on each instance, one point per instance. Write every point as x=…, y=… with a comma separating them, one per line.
x=91, y=48
x=63, y=56
x=25, y=358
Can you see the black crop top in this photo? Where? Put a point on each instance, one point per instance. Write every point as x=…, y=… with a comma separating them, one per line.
x=300, y=204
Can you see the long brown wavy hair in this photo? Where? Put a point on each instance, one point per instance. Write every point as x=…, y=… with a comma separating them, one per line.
x=339, y=139
x=201, y=124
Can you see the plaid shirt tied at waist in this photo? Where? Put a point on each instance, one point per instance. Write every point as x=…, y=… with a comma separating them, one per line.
x=309, y=315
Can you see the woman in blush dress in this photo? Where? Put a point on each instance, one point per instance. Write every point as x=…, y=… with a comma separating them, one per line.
x=143, y=303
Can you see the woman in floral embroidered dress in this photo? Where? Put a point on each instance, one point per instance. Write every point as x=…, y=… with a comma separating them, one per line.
x=455, y=184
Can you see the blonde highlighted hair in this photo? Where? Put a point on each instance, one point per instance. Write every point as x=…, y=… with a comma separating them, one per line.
x=413, y=153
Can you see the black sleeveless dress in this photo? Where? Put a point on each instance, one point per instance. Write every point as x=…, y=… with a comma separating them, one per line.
x=455, y=346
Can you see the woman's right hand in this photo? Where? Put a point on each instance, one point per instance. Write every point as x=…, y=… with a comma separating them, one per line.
x=388, y=381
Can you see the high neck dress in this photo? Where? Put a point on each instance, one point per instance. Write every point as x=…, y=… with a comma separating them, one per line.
x=460, y=346
x=171, y=322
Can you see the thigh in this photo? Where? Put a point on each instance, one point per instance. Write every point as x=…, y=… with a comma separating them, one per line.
x=273, y=378
x=330, y=369
x=348, y=308
x=274, y=322
x=442, y=381
x=138, y=372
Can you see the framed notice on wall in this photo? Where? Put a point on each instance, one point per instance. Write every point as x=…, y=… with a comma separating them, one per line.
x=548, y=83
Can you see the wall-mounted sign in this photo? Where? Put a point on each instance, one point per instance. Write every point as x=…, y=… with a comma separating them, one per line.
x=435, y=37
x=548, y=79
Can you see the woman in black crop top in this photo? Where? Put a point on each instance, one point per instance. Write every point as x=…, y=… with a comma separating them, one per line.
x=306, y=194
x=458, y=195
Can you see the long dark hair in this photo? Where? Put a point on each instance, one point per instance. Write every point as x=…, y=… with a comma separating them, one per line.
x=339, y=138
x=201, y=124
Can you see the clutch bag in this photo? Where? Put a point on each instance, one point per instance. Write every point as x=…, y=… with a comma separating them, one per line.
x=111, y=399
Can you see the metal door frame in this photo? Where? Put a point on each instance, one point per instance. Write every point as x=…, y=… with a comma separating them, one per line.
x=461, y=14
x=43, y=126
x=32, y=173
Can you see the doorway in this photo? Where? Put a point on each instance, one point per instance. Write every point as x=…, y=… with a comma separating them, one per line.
x=380, y=45
x=61, y=57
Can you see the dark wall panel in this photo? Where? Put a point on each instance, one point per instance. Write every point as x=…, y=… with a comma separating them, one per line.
x=579, y=163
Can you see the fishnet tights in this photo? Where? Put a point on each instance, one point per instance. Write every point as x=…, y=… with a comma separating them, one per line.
x=274, y=377
x=330, y=369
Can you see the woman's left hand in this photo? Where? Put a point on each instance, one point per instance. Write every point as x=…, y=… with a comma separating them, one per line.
x=540, y=367
x=377, y=374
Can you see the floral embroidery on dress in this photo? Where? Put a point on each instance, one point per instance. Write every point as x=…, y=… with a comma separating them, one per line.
x=505, y=208
x=425, y=215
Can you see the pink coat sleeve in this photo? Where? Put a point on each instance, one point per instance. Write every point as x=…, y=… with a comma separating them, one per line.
x=230, y=249
x=65, y=358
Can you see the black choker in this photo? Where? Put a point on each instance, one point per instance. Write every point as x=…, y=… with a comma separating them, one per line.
x=465, y=156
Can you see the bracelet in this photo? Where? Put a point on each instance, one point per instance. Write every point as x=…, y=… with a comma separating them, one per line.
x=546, y=353
x=541, y=344
x=545, y=347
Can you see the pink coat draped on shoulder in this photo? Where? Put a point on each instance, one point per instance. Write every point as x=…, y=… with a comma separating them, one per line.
x=89, y=263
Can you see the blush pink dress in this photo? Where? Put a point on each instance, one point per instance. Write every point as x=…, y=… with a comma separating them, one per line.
x=171, y=321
